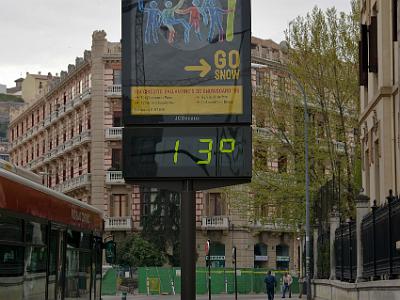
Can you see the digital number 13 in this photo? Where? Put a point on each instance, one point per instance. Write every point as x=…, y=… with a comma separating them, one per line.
x=208, y=151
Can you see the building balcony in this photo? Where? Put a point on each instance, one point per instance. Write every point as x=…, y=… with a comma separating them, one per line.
x=114, y=177
x=215, y=223
x=118, y=223
x=60, y=150
x=114, y=90
x=61, y=111
x=277, y=226
x=73, y=184
x=114, y=133
x=47, y=122
x=86, y=95
x=69, y=106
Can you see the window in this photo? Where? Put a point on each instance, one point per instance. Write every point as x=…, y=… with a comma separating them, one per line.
x=36, y=259
x=260, y=255
x=217, y=254
x=216, y=205
x=373, y=45
x=154, y=200
x=117, y=119
x=116, y=159
x=71, y=170
x=11, y=261
x=11, y=229
x=117, y=77
x=88, y=161
x=72, y=129
x=64, y=172
x=57, y=177
x=282, y=164
x=37, y=150
x=35, y=233
x=119, y=206
x=282, y=257
x=80, y=166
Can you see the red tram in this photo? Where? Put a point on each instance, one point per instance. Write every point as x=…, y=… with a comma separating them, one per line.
x=50, y=244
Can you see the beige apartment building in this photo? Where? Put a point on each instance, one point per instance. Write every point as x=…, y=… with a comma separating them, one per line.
x=379, y=99
x=72, y=136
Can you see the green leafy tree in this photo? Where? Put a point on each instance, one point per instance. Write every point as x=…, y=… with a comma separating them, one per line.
x=137, y=252
x=322, y=52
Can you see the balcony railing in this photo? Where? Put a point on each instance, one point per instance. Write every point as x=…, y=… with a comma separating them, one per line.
x=73, y=183
x=118, y=223
x=69, y=106
x=114, y=177
x=114, y=133
x=277, y=226
x=215, y=223
x=86, y=94
x=114, y=90
x=63, y=148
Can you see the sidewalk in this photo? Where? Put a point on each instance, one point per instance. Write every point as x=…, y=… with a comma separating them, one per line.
x=200, y=297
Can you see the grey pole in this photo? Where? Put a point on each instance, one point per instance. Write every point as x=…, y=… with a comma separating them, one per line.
x=279, y=66
x=188, y=242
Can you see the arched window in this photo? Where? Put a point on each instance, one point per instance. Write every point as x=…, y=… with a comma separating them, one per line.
x=282, y=257
x=217, y=253
x=260, y=255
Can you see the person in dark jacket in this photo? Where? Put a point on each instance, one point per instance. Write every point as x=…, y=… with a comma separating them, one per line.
x=270, y=283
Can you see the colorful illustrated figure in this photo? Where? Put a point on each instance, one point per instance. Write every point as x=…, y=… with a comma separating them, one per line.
x=169, y=20
x=153, y=21
x=216, y=19
x=141, y=5
x=195, y=13
x=230, y=23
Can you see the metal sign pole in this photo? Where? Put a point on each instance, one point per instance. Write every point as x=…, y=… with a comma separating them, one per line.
x=209, y=268
x=188, y=242
x=235, y=266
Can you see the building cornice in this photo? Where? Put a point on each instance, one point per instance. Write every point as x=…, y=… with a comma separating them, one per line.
x=384, y=91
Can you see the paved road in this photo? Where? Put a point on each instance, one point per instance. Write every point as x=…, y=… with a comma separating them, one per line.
x=202, y=297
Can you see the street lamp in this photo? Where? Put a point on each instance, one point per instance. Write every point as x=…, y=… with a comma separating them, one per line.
x=280, y=67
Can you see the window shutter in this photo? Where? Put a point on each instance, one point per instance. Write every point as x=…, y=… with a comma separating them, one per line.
x=373, y=45
x=363, y=56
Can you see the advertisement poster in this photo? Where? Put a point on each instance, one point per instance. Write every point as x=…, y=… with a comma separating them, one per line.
x=186, y=61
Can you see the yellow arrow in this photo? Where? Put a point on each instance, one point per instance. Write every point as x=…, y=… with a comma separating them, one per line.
x=204, y=68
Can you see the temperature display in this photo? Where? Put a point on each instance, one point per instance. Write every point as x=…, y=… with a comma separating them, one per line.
x=189, y=152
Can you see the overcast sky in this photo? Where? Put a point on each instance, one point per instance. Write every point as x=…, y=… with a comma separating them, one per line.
x=47, y=35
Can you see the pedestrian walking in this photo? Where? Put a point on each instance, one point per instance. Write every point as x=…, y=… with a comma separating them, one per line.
x=270, y=283
x=287, y=285
x=302, y=286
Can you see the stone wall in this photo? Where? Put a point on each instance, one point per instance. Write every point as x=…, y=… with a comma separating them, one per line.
x=337, y=290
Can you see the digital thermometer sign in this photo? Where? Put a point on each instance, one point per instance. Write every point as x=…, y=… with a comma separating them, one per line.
x=187, y=152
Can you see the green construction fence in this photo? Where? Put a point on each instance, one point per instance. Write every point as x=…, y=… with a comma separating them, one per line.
x=157, y=281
